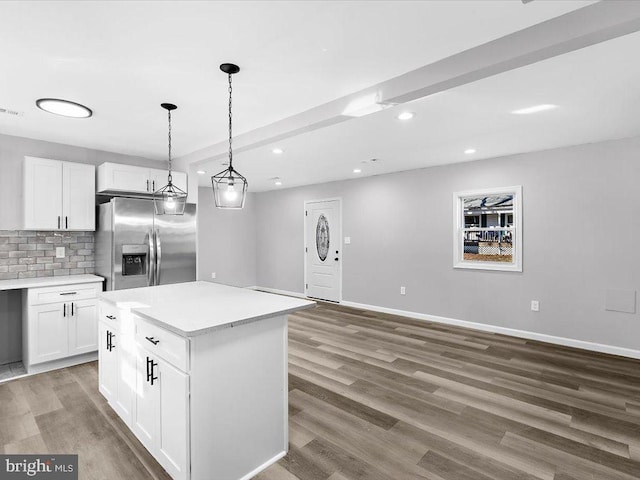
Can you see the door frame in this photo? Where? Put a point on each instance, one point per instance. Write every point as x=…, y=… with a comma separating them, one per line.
x=304, y=222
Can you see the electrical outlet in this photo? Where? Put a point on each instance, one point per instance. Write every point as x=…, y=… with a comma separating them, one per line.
x=347, y=240
x=403, y=291
x=213, y=275
x=535, y=306
x=60, y=252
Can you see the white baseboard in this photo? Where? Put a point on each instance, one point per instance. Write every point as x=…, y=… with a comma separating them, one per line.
x=265, y=465
x=541, y=337
x=278, y=292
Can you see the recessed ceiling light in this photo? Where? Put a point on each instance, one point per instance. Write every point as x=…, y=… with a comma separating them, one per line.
x=470, y=151
x=201, y=172
x=63, y=107
x=277, y=151
x=534, y=109
x=405, y=116
x=278, y=182
x=357, y=170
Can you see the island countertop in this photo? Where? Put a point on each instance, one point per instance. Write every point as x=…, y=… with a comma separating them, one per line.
x=195, y=308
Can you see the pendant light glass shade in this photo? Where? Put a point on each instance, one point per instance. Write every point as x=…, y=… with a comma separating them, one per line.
x=229, y=187
x=169, y=200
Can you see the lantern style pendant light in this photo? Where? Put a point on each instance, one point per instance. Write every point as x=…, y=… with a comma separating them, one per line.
x=229, y=187
x=169, y=200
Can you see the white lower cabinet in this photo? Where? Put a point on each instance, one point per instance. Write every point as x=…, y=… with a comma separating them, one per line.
x=208, y=407
x=162, y=412
x=58, y=323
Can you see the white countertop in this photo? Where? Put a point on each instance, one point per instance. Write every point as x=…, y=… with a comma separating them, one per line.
x=195, y=308
x=21, y=283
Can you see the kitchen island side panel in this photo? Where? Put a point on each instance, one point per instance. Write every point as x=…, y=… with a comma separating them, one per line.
x=239, y=399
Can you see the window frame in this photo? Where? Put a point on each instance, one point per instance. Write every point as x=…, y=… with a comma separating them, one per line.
x=459, y=226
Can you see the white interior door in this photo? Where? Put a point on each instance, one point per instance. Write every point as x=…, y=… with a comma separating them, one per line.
x=323, y=252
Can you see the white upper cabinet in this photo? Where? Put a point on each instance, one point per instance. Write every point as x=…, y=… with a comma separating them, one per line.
x=114, y=178
x=58, y=195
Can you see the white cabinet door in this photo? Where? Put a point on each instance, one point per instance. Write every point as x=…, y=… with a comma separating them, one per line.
x=107, y=363
x=174, y=420
x=78, y=196
x=42, y=201
x=123, y=178
x=48, y=332
x=159, y=179
x=126, y=381
x=146, y=422
x=83, y=327
x=161, y=420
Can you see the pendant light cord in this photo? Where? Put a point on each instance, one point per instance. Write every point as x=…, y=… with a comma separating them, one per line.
x=170, y=176
x=230, y=127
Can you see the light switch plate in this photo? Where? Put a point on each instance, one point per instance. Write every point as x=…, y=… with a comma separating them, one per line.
x=60, y=252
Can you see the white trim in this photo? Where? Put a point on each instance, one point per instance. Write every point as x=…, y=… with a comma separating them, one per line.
x=264, y=466
x=278, y=292
x=340, y=243
x=458, y=261
x=541, y=337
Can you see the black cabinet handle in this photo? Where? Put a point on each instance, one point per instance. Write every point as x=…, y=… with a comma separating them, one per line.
x=69, y=293
x=153, y=340
x=111, y=317
x=110, y=345
x=64, y=309
x=72, y=309
x=147, y=185
x=58, y=222
x=150, y=370
x=66, y=222
x=108, y=340
x=154, y=186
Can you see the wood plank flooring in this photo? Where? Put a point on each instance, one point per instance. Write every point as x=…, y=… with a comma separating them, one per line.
x=374, y=396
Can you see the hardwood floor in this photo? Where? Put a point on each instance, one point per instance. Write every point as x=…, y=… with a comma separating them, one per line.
x=373, y=396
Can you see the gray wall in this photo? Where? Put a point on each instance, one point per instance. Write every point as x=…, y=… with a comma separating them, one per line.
x=226, y=241
x=580, y=223
x=10, y=326
x=14, y=149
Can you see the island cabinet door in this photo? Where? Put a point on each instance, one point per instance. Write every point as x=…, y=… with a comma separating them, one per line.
x=173, y=452
x=146, y=422
x=107, y=362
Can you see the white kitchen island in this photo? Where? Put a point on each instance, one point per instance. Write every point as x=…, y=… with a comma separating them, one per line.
x=198, y=371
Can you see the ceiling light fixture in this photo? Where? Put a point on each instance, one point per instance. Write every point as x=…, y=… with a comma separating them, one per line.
x=278, y=182
x=470, y=151
x=229, y=187
x=169, y=200
x=62, y=107
x=277, y=151
x=201, y=172
x=534, y=109
x=357, y=170
x=405, y=116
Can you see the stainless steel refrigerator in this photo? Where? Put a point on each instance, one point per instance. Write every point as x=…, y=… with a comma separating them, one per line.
x=136, y=248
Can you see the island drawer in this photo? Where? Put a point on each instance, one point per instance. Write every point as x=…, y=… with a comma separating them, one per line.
x=64, y=293
x=109, y=314
x=167, y=345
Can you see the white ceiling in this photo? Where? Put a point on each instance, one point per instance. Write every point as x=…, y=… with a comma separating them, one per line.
x=122, y=59
x=595, y=88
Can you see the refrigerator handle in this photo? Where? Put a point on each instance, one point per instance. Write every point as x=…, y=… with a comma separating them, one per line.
x=158, y=256
x=151, y=261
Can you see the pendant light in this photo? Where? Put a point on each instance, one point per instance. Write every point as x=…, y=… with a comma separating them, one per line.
x=229, y=187
x=169, y=200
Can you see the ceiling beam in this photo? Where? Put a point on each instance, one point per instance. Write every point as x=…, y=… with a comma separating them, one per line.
x=578, y=29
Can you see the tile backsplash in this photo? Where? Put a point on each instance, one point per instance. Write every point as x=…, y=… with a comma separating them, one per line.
x=30, y=254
